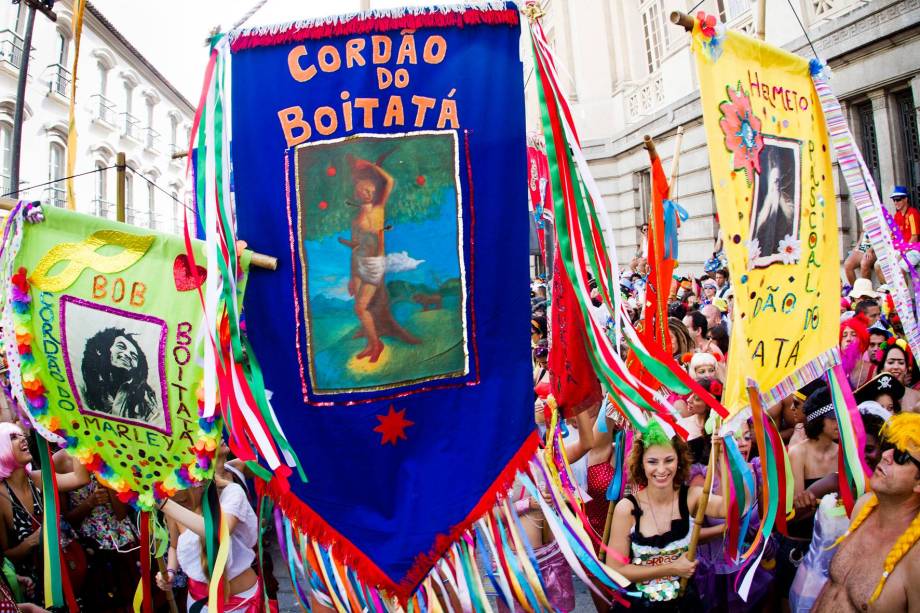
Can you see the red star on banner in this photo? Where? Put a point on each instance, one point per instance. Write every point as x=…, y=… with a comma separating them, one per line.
x=393, y=426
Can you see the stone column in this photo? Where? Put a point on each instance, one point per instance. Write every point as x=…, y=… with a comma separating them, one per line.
x=915, y=90
x=885, y=144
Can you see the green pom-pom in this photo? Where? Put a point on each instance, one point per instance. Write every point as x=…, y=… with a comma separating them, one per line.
x=655, y=435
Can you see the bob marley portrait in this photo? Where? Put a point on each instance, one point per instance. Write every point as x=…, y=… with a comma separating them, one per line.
x=115, y=370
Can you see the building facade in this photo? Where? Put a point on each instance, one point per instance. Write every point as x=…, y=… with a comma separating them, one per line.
x=123, y=104
x=629, y=72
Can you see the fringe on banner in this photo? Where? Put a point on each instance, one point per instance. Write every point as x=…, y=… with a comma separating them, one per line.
x=801, y=377
x=865, y=197
x=377, y=20
x=325, y=566
x=304, y=519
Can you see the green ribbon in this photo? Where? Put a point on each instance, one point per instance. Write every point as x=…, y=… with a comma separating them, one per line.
x=51, y=529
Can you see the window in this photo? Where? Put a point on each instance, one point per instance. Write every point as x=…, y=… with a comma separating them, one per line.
x=729, y=10
x=56, y=171
x=101, y=181
x=101, y=204
x=643, y=186
x=910, y=144
x=653, y=32
x=129, y=97
x=129, y=192
x=103, y=78
x=63, y=48
x=20, y=19
x=151, y=203
x=173, y=131
x=6, y=157
x=867, y=140
x=177, y=211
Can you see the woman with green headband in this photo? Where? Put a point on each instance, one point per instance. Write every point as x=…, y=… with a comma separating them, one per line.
x=652, y=527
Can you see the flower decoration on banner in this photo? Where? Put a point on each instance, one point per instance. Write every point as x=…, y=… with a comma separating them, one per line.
x=712, y=35
x=35, y=391
x=790, y=249
x=742, y=132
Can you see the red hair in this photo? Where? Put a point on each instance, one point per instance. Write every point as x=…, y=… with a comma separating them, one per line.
x=860, y=325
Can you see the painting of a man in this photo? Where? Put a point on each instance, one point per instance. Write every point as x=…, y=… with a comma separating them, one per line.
x=115, y=362
x=373, y=186
x=382, y=252
x=114, y=372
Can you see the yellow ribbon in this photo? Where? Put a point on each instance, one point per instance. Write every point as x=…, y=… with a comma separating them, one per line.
x=78, y=8
x=83, y=255
x=139, y=595
x=220, y=563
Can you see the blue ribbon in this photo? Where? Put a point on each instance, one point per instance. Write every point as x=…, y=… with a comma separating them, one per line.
x=734, y=456
x=615, y=489
x=672, y=211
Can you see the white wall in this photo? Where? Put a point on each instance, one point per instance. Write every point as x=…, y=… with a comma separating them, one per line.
x=46, y=118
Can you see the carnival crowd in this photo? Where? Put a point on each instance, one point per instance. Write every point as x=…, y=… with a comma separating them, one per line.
x=825, y=560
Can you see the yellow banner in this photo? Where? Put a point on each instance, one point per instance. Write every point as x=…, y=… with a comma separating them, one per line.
x=771, y=173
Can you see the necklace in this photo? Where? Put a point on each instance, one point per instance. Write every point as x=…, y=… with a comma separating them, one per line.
x=652, y=509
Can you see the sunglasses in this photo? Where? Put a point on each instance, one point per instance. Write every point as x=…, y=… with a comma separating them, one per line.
x=900, y=456
x=898, y=198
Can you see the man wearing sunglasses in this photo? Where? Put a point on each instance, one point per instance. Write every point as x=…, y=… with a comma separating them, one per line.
x=876, y=566
x=907, y=218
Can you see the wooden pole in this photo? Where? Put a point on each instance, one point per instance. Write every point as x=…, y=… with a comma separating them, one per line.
x=170, y=597
x=120, y=165
x=607, y=524
x=650, y=146
x=675, y=164
x=259, y=260
x=683, y=20
x=762, y=19
x=704, y=501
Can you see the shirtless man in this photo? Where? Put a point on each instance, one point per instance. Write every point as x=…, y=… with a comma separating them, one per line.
x=876, y=567
x=368, y=258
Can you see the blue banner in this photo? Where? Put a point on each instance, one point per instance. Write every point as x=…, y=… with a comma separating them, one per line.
x=383, y=161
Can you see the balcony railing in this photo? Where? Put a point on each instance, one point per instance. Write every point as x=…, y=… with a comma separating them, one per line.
x=56, y=196
x=138, y=217
x=11, y=46
x=5, y=185
x=103, y=109
x=820, y=10
x=646, y=96
x=152, y=139
x=60, y=80
x=130, y=126
x=103, y=208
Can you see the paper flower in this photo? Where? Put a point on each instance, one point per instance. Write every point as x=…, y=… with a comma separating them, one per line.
x=707, y=24
x=790, y=249
x=753, y=247
x=742, y=132
x=712, y=35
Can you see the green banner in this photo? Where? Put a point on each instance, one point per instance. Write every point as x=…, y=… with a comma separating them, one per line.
x=107, y=347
